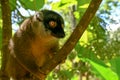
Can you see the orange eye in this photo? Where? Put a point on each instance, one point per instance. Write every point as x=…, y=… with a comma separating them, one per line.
x=52, y=24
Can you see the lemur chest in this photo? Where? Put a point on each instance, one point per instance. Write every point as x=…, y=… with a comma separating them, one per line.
x=43, y=49
x=43, y=46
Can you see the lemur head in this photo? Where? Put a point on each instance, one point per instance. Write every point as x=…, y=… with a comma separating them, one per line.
x=51, y=22
x=44, y=23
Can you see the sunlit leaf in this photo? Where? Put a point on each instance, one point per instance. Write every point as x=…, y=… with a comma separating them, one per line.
x=105, y=72
x=75, y=77
x=63, y=4
x=76, y=13
x=84, y=6
x=83, y=2
x=84, y=38
x=115, y=65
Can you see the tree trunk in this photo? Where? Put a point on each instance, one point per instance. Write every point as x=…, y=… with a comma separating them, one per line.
x=6, y=35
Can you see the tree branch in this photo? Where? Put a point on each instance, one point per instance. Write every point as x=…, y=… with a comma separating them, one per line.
x=6, y=34
x=76, y=35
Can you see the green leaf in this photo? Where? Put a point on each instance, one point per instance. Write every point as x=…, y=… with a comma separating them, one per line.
x=98, y=65
x=0, y=34
x=83, y=5
x=84, y=53
x=63, y=4
x=115, y=65
x=12, y=4
x=105, y=72
x=67, y=74
x=32, y=4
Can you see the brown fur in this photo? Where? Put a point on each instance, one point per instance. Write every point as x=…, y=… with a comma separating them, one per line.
x=32, y=46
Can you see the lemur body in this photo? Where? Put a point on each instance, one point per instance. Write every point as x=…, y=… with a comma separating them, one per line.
x=34, y=44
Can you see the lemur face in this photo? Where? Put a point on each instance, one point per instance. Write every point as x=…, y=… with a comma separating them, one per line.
x=52, y=22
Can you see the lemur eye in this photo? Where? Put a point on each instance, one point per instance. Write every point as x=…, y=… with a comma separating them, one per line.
x=53, y=24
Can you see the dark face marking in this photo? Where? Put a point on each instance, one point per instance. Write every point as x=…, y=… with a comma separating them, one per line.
x=53, y=22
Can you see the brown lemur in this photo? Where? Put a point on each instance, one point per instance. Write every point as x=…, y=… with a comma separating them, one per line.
x=34, y=44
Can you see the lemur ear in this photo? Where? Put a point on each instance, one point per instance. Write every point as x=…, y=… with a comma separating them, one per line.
x=39, y=16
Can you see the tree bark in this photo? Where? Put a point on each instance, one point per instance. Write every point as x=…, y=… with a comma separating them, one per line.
x=76, y=35
x=6, y=35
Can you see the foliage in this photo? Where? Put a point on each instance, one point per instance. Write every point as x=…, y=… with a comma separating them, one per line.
x=32, y=4
x=0, y=34
x=96, y=54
